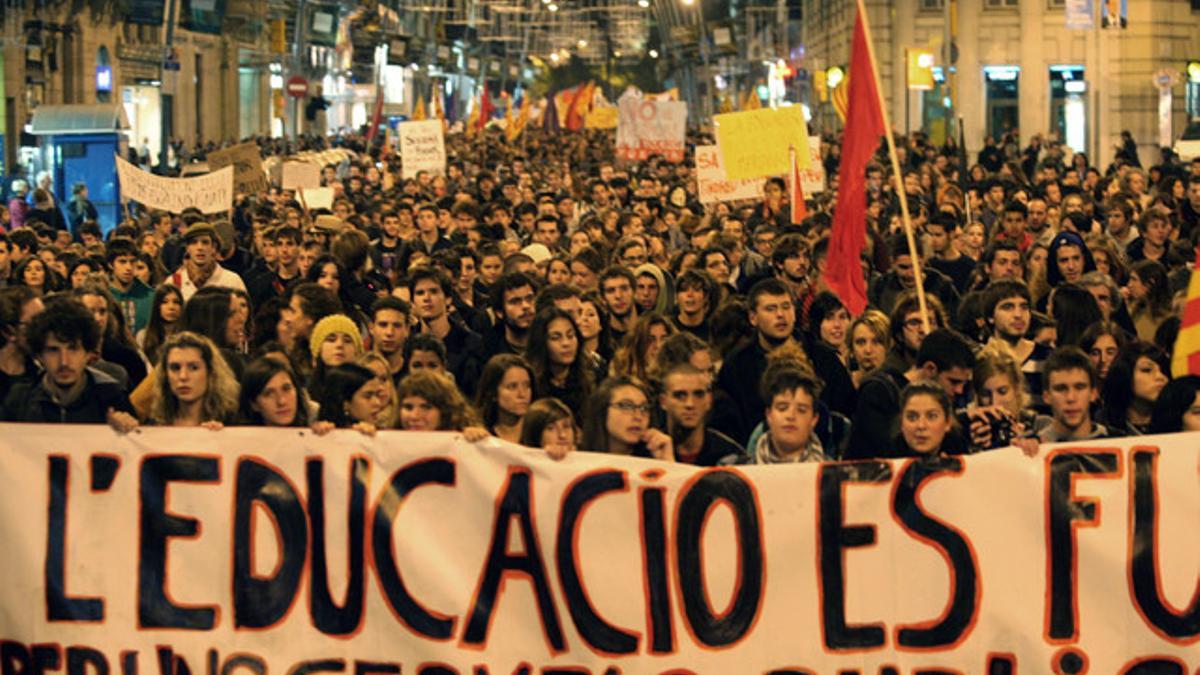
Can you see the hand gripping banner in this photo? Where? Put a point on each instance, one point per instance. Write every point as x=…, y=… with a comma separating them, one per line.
x=255, y=551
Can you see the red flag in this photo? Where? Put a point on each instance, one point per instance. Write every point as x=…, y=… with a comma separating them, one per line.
x=799, y=209
x=485, y=108
x=864, y=126
x=377, y=115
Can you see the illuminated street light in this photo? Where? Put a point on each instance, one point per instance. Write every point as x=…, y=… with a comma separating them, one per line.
x=582, y=44
x=834, y=76
x=643, y=3
x=688, y=3
x=552, y=7
x=654, y=53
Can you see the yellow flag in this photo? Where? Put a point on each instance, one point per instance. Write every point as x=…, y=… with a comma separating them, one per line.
x=419, y=112
x=753, y=102
x=508, y=118
x=437, y=106
x=514, y=130
x=472, y=121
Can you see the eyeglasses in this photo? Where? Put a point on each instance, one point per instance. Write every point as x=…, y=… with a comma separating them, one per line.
x=631, y=407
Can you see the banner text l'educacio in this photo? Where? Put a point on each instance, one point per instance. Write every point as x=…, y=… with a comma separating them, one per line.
x=190, y=551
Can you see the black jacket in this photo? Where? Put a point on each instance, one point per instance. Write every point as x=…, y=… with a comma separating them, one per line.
x=30, y=402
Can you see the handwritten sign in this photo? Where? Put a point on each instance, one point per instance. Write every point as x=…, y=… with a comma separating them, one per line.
x=422, y=148
x=300, y=175
x=714, y=186
x=649, y=127
x=253, y=550
x=755, y=143
x=248, y=174
x=210, y=193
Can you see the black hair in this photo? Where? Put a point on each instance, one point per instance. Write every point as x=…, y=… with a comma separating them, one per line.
x=67, y=320
x=509, y=281
x=337, y=388
x=946, y=349
x=1117, y=390
x=1075, y=309
x=1173, y=402
x=207, y=313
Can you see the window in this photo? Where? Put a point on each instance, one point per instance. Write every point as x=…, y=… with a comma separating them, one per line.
x=933, y=4
x=998, y=4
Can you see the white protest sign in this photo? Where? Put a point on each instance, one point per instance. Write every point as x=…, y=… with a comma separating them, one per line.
x=422, y=148
x=812, y=179
x=318, y=198
x=647, y=127
x=300, y=176
x=210, y=193
x=276, y=551
x=714, y=186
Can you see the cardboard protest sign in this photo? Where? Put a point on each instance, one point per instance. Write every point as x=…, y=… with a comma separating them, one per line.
x=714, y=186
x=300, y=175
x=812, y=179
x=248, y=174
x=272, y=550
x=210, y=193
x=318, y=198
x=422, y=148
x=648, y=127
x=755, y=143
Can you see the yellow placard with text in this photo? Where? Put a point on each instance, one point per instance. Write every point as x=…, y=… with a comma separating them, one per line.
x=755, y=143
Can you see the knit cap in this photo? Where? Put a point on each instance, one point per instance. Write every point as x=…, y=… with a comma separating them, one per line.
x=334, y=323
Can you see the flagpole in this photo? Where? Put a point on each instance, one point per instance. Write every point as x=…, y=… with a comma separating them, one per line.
x=898, y=176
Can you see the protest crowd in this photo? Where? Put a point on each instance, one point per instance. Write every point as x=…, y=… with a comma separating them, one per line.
x=546, y=293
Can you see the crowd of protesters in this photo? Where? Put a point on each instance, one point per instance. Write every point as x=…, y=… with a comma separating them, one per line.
x=545, y=294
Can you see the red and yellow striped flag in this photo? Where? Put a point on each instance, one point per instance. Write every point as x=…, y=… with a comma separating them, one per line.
x=1185, y=359
x=841, y=98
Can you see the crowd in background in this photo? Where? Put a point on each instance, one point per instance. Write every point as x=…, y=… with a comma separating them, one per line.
x=544, y=293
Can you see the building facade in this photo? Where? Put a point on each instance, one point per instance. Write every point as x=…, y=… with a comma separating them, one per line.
x=1017, y=66
x=96, y=52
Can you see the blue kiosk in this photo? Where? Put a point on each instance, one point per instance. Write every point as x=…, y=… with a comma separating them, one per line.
x=78, y=145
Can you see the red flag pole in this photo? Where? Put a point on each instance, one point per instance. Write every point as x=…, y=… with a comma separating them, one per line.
x=898, y=177
x=799, y=208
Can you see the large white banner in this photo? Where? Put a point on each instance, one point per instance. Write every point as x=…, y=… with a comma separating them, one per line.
x=255, y=551
x=210, y=193
x=422, y=148
x=646, y=127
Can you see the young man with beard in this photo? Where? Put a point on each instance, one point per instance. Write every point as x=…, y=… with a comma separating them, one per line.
x=63, y=337
x=513, y=301
x=616, y=287
x=903, y=277
x=687, y=398
x=18, y=306
x=1006, y=307
x=389, y=329
x=430, y=288
x=772, y=313
x=695, y=297
x=792, y=260
x=200, y=267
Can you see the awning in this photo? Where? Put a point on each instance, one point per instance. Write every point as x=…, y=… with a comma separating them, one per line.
x=88, y=118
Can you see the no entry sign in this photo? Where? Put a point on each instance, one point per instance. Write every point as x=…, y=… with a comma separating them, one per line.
x=297, y=87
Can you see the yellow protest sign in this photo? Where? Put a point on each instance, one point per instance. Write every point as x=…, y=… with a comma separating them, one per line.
x=602, y=118
x=755, y=143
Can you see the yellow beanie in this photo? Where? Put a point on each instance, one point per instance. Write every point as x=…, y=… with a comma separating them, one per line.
x=334, y=323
